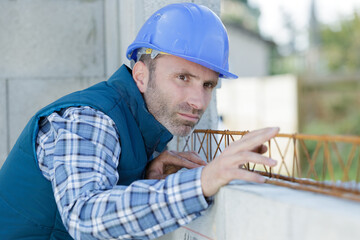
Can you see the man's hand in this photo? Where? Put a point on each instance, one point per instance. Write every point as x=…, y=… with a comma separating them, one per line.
x=226, y=167
x=169, y=162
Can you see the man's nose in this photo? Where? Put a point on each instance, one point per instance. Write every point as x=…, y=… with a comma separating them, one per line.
x=197, y=98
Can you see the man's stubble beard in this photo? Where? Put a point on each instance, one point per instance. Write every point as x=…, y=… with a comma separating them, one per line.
x=158, y=104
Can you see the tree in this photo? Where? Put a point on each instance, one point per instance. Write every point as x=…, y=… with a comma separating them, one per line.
x=340, y=45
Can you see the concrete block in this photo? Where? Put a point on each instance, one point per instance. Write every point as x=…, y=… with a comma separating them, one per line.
x=3, y=122
x=283, y=213
x=42, y=38
x=88, y=82
x=130, y=19
x=263, y=211
x=112, y=36
x=39, y=93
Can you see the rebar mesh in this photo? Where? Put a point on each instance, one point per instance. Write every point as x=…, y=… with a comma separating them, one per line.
x=318, y=163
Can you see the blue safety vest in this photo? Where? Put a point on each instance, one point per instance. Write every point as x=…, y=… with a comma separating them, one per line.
x=27, y=205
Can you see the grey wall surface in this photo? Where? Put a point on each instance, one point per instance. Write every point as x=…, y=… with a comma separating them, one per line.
x=263, y=211
x=49, y=48
x=3, y=122
x=51, y=38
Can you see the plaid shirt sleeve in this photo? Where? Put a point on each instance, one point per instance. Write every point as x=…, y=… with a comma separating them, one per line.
x=78, y=151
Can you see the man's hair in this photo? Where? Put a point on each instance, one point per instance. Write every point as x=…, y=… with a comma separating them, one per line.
x=150, y=63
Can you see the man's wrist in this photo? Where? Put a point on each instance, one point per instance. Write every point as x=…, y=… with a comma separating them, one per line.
x=185, y=192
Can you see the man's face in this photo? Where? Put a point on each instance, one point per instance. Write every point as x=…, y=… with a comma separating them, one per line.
x=178, y=92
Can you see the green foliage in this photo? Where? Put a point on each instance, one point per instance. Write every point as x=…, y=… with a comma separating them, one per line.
x=332, y=170
x=329, y=102
x=285, y=64
x=340, y=45
x=338, y=51
x=330, y=109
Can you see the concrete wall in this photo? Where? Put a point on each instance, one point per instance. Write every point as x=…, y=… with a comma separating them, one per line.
x=262, y=211
x=49, y=48
x=3, y=122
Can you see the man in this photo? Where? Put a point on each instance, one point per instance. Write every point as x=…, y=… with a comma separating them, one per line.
x=83, y=167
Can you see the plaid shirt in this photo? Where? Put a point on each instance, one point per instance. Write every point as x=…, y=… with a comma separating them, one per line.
x=78, y=151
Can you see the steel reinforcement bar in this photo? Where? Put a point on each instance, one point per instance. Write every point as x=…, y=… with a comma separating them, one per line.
x=318, y=163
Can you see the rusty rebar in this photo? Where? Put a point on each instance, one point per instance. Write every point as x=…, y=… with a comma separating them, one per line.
x=302, y=172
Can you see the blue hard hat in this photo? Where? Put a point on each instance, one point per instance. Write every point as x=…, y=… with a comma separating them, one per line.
x=186, y=30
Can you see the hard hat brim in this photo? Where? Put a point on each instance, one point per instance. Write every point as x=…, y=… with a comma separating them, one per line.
x=222, y=72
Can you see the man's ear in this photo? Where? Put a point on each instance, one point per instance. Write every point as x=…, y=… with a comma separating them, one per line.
x=140, y=75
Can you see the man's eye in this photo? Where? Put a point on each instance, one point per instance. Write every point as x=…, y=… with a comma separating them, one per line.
x=209, y=85
x=182, y=77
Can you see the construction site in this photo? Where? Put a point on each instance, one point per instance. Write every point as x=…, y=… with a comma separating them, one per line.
x=51, y=48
